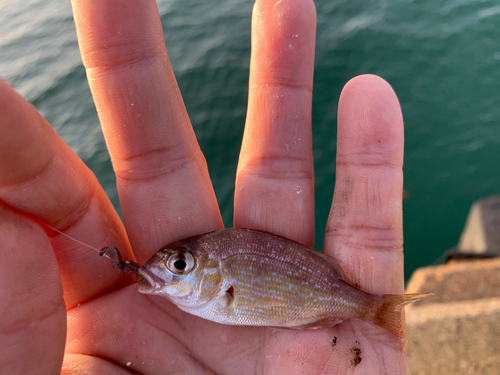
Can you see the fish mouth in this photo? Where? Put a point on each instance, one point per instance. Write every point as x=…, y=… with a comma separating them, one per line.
x=146, y=280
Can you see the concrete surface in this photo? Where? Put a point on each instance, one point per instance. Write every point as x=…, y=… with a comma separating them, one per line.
x=457, y=281
x=454, y=338
x=457, y=330
x=482, y=228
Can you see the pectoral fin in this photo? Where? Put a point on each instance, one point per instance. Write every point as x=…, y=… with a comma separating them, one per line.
x=230, y=295
x=320, y=324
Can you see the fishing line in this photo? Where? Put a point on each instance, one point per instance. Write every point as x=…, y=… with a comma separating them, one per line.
x=71, y=238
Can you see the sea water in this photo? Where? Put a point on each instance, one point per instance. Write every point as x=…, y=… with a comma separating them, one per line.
x=441, y=57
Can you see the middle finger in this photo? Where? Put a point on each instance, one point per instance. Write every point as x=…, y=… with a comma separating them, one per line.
x=275, y=183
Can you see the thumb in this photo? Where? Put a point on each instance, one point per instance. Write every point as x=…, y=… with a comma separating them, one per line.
x=32, y=310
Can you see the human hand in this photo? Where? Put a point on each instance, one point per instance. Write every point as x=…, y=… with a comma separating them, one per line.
x=103, y=325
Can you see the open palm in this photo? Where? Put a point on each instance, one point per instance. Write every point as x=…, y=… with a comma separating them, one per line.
x=62, y=305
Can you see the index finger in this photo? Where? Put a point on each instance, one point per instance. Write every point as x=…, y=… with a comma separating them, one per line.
x=162, y=178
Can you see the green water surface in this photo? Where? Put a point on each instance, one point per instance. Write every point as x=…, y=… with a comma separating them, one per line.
x=441, y=57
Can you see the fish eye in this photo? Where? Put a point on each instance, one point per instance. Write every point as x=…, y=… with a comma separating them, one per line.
x=180, y=263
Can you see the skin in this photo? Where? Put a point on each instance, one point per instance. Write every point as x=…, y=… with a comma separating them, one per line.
x=63, y=306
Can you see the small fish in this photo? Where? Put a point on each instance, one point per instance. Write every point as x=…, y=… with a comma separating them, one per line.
x=248, y=277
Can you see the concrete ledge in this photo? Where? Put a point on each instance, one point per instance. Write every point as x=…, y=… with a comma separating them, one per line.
x=457, y=330
x=481, y=232
x=457, y=281
x=454, y=338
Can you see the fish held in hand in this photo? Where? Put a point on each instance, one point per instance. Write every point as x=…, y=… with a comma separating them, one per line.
x=248, y=277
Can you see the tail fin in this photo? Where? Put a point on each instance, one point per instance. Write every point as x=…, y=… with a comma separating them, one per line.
x=389, y=314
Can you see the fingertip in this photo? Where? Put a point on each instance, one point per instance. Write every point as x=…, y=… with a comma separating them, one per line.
x=370, y=91
x=22, y=130
x=367, y=82
x=306, y=7
x=369, y=112
x=283, y=42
